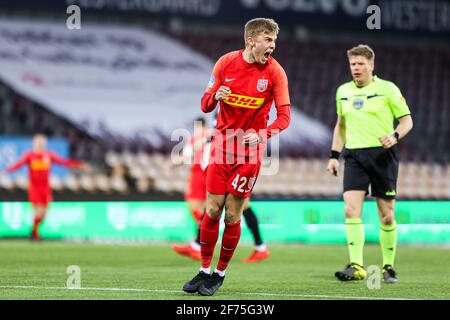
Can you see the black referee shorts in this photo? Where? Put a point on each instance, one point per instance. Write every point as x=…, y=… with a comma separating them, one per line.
x=377, y=167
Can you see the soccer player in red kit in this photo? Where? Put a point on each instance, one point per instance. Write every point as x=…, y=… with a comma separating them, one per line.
x=195, y=151
x=39, y=163
x=196, y=190
x=245, y=82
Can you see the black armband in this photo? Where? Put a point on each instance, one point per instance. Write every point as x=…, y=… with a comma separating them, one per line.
x=334, y=154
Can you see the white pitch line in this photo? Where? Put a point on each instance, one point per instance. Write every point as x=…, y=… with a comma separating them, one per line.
x=316, y=296
x=179, y=291
x=89, y=289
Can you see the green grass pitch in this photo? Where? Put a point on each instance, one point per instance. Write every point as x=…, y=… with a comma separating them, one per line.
x=153, y=271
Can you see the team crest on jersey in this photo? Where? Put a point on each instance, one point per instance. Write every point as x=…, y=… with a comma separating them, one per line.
x=358, y=103
x=261, y=86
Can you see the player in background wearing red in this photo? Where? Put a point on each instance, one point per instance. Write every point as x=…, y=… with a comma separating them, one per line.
x=245, y=82
x=260, y=251
x=39, y=162
x=194, y=152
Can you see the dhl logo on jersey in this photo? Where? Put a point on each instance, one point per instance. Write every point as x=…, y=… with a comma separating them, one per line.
x=43, y=164
x=237, y=100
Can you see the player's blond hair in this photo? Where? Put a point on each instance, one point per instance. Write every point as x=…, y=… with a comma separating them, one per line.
x=39, y=142
x=40, y=136
x=362, y=50
x=260, y=25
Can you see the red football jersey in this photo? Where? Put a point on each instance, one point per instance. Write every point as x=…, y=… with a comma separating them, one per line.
x=195, y=149
x=254, y=87
x=39, y=165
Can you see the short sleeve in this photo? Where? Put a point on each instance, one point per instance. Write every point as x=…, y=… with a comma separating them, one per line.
x=338, y=102
x=397, y=102
x=214, y=81
x=280, y=87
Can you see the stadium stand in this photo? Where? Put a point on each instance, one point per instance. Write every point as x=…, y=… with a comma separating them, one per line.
x=298, y=178
x=314, y=68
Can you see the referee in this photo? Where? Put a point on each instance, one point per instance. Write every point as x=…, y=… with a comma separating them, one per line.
x=366, y=109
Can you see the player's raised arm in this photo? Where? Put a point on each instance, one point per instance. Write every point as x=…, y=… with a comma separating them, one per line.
x=18, y=164
x=66, y=162
x=282, y=103
x=215, y=91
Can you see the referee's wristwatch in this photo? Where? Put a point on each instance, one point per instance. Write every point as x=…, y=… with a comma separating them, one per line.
x=396, y=135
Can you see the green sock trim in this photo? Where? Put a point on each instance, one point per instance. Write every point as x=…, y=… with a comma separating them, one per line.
x=388, y=227
x=353, y=221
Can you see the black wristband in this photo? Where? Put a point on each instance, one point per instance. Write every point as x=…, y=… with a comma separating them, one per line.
x=334, y=154
x=396, y=135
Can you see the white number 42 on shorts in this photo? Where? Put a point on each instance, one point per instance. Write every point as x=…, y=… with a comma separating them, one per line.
x=240, y=182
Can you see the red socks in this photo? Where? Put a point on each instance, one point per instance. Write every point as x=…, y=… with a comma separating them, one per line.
x=36, y=222
x=197, y=214
x=230, y=240
x=209, y=232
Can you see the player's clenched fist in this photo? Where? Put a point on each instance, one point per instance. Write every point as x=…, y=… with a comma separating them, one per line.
x=222, y=93
x=388, y=141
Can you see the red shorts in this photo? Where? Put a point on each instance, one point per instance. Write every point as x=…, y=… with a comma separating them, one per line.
x=237, y=179
x=40, y=197
x=196, y=189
